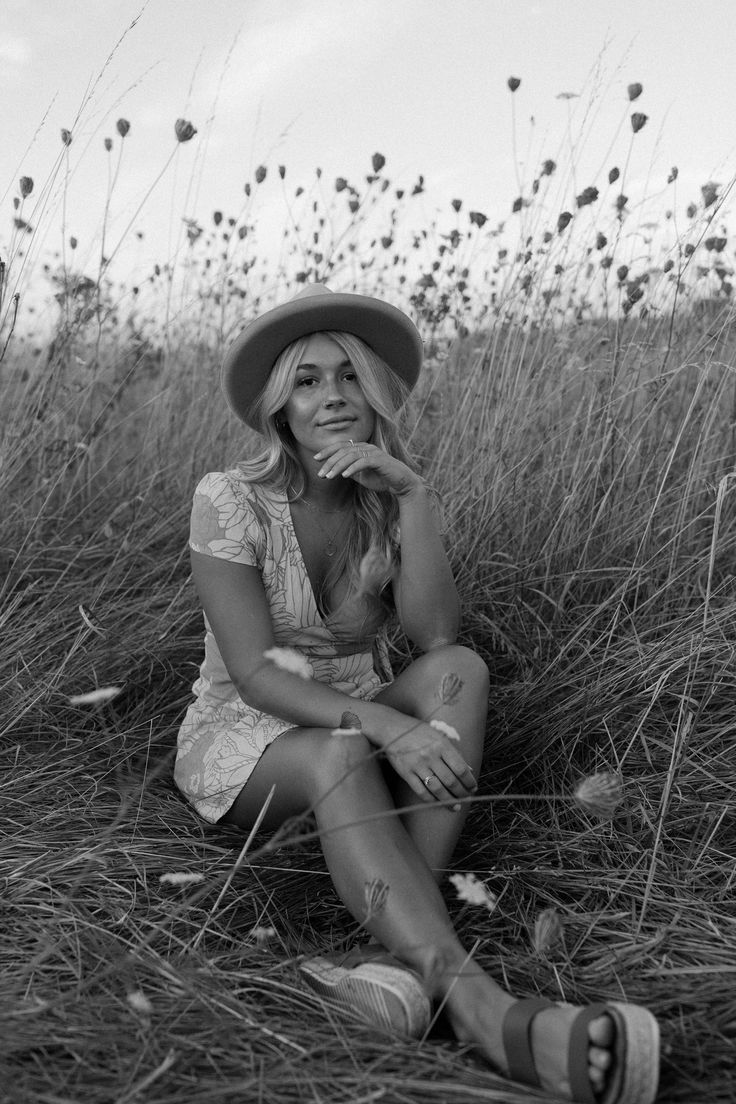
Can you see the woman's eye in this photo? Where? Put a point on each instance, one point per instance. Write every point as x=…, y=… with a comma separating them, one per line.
x=305, y=380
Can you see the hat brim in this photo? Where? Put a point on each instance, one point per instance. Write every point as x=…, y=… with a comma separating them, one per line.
x=388, y=331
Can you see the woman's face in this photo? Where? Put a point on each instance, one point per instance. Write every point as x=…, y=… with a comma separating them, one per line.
x=326, y=404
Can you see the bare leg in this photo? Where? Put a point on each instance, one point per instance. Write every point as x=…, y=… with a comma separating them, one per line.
x=436, y=830
x=340, y=778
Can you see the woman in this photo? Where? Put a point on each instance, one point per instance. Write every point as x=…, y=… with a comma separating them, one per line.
x=311, y=547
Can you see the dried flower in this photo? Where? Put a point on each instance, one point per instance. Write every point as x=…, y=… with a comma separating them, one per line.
x=600, y=240
x=66, y=136
x=26, y=186
x=94, y=697
x=73, y=242
x=674, y=173
x=548, y=931
x=638, y=119
x=139, y=1002
x=563, y=221
x=635, y=90
x=445, y=728
x=450, y=686
x=456, y=204
x=123, y=126
x=548, y=167
x=600, y=794
x=622, y=272
x=587, y=196
x=621, y=202
x=184, y=130
x=260, y=174
x=668, y=265
x=475, y=892
x=287, y=659
x=513, y=83
x=568, y=95
x=710, y=193
x=613, y=175
x=378, y=161
x=340, y=184
x=478, y=219
x=263, y=935
x=282, y=171
x=181, y=878
x=689, y=249
x=108, y=144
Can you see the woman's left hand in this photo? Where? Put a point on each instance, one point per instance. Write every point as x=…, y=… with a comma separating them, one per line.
x=368, y=465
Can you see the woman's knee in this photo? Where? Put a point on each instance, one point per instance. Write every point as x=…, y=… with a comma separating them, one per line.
x=459, y=661
x=340, y=757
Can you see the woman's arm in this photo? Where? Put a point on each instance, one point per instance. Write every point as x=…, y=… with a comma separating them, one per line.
x=426, y=597
x=236, y=606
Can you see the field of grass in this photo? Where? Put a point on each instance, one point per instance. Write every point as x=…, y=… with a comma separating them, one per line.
x=585, y=454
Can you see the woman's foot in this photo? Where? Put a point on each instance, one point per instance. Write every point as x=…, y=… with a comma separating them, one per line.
x=534, y=1041
x=388, y=994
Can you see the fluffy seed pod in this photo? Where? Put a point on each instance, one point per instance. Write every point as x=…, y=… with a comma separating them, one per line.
x=66, y=136
x=638, y=119
x=548, y=932
x=600, y=794
x=108, y=144
x=613, y=175
x=184, y=130
x=587, y=196
x=674, y=171
x=282, y=171
x=563, y=221
x=457, y=204
x=635, y=90
x=513, y=83
x=548, y=167
x=668, y=266
x=478, y=219
x=25, y=186
x=378, y=161
x=260, y=174
x=340, y=184
x=600, y=240
x=710, y=193
x=123, y=126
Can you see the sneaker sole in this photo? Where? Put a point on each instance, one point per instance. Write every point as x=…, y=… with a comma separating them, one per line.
x=390, y=998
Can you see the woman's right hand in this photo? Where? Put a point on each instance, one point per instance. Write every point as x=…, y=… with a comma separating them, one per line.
x=430, y=762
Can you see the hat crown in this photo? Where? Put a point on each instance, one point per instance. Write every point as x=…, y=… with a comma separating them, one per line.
x=311, y=291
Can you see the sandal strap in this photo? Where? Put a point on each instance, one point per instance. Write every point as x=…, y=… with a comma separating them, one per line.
x=517, y=1025
x=577, y=1053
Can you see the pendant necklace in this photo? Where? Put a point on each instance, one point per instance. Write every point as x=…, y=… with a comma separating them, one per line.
x=330, y=547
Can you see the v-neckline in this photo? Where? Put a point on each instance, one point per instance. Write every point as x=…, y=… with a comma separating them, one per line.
x=323, y=617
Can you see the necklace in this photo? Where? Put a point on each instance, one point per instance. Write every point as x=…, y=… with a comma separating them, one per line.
x=331, y=545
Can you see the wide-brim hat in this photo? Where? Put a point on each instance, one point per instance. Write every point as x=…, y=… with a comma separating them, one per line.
x=389, y=332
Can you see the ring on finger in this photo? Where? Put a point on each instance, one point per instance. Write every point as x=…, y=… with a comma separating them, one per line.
x=428, y=779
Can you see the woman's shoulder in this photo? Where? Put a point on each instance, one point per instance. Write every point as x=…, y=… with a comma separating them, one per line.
x=228, y=515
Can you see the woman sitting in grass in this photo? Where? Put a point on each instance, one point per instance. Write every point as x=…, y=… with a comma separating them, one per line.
x=300, y=558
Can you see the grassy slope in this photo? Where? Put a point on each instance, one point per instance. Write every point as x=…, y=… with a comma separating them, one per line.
x=593, y=540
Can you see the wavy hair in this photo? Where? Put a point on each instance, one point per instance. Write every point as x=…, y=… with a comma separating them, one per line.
x=375, y=519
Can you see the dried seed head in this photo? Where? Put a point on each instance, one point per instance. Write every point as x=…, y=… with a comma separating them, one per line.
x=600, y=794
x=587, y=196
x=563, y=221
x=710, y=193
x=613, y=175
x=548, y=167
x=66, y=136
x=260, y=174
x=689, y=249
x=668, y=266
x=477, y=218
x=473, y=891
x=378, y=161
x=548, y=931
x=638, y=119
x=340, y=184
x=184, y=130
x=622, y=272
x=73, y=242
x=600, y=240
x=108, y=144
x=621, y=201
x=26, y=186
x=513, y=83
x=635, y=90
x=674, y=172
x=282, y=171
x=123, y=126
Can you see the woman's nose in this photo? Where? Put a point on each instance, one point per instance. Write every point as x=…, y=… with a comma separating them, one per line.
x=333, y=396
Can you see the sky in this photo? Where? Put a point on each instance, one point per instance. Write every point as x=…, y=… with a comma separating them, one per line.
x=308, y=83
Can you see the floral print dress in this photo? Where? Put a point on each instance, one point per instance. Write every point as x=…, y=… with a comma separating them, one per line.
x=222, y=737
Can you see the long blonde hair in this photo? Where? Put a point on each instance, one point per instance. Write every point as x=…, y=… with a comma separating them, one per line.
x=375, y=522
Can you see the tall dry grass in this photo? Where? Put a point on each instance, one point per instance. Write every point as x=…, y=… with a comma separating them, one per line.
x=585, y=461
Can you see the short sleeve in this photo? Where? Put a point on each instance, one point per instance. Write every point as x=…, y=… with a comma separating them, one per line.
x=223, y=522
